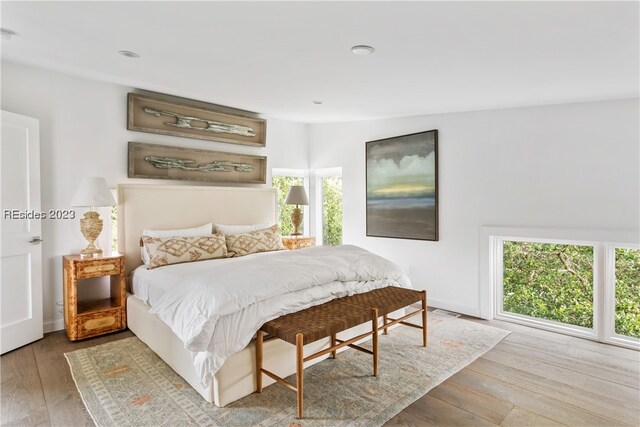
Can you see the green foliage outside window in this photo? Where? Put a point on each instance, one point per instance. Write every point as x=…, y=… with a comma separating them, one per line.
x=549, y=281
x=331, y=206
x=282, y=184
x=555, y=282
x=628, y=292
x=114, y=228
x=332, y=210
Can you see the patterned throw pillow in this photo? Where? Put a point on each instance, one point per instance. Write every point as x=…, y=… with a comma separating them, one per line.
x=174, y=250
x=203, y=230
x=268, y=239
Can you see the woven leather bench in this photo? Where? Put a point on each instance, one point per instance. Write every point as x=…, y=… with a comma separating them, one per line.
x=389, y=299
x=328, y=319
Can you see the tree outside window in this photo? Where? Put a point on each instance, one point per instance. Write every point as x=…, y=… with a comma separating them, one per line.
x=332, y=210
x=555, y=282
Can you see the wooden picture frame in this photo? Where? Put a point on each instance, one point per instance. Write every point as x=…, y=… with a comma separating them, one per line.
x=157, y=161
x=402, y=186
x=170, y=115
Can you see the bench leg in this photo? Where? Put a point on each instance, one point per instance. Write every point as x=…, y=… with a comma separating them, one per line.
x=424, y=318
x=259, y=339
x=333, y=344
x=300, y=371
x=384, y=323
x=374, y=331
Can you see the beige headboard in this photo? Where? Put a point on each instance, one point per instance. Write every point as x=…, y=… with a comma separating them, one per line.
x=158, y=207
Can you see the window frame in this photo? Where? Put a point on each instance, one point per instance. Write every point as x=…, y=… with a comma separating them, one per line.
x=546, y=324
x=295, y=173
x=609, y=307
x=319, y=174
x=604, y=242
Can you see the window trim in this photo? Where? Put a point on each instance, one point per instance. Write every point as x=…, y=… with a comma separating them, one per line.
x=609, y=322
x=295, y=173
x=546, y=324
x=490, y=267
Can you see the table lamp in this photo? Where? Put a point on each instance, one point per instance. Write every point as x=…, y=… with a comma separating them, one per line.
x=297, y=196
x=92, y=192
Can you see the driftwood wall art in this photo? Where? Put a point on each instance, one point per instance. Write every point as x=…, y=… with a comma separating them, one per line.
x=169, y=115
x=190, y=164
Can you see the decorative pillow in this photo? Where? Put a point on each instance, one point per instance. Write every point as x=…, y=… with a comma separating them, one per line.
x=268, y=239
x=237, y=229
x=177, y=249
x=184, y=232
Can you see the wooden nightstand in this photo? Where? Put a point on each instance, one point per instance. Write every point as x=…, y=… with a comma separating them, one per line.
x=90, y=318
x=298, y=242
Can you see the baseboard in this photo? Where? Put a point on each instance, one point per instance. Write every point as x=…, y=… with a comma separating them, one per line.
x=53, y=325
x=458, y=308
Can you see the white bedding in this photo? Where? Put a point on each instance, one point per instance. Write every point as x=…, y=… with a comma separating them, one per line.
x=215, y=307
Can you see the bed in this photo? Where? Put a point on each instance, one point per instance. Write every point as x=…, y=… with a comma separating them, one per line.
x=168, y=207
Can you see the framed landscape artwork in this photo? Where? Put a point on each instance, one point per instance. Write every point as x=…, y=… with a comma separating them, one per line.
x=402, y=186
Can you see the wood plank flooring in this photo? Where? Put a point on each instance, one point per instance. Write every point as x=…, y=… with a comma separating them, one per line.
x=536, y=378
x=531, y=378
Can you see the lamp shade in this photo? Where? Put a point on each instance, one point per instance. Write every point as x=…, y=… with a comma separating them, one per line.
x=296, y=196
x=92, y=191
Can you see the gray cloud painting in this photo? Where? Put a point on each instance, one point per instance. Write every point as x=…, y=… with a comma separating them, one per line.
x=402, y=187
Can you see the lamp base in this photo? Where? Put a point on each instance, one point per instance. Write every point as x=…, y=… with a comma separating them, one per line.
x=91, y=227
x=91, y=253
x=296, y=220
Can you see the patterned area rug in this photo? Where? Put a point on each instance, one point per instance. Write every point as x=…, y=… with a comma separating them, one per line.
x=124, y=383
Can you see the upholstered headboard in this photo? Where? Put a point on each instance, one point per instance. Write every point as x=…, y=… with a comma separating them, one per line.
x=158, y=207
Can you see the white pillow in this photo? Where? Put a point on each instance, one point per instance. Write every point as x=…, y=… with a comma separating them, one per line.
x=240, y=229
x=184, y=232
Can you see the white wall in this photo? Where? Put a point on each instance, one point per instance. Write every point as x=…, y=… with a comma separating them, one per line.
x=568, y=166
x=83, y=133
x=572, y=166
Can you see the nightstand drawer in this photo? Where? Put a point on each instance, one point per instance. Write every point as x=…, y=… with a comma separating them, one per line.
x=98, y=268
x=99, y=323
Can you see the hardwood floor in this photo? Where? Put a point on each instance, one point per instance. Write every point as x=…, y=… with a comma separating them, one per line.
x=536, y=378
x=36, y=387
x=531, y=378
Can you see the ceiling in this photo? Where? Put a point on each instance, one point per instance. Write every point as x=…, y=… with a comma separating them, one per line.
x=275, y=58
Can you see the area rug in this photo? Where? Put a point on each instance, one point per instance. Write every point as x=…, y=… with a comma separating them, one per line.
x=125, y=383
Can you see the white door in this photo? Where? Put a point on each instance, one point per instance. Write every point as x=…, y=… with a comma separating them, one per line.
x=21, y=251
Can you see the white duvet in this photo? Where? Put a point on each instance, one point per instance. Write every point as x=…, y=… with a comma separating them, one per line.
x=216, y=308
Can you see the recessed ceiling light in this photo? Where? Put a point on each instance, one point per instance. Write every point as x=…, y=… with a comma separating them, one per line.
x=6, y=33
x=128, y=54
x=362, y=50
x=317, y=102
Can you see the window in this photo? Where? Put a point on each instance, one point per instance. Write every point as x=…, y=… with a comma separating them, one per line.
x=329, y=203
x=332, y=210
x=588, y=288
x=549, y=281
x=114, y=228
x=281, y=181
x=113, y=213
x=627, y=292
